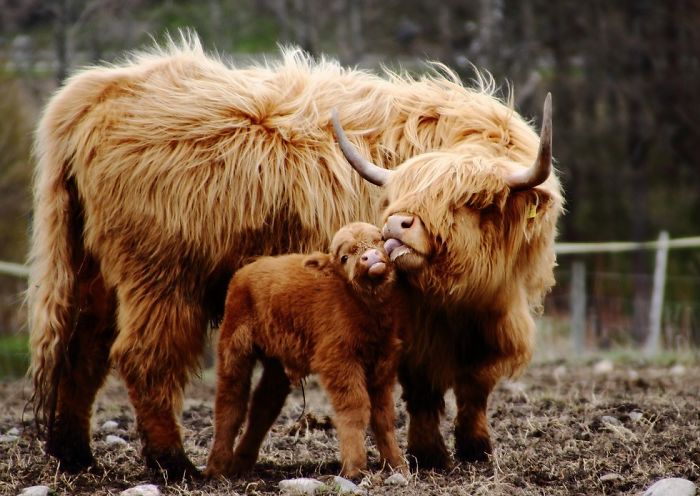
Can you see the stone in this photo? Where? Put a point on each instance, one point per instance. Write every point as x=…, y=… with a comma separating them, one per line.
x=141, y=490
x=559, y=372
x=13, y=432
x=6, y=438
x=610, y=420
x=300, y=486
x=109, y=426
x=610, y=477
x=345, y=486
x=603, y=367
x=396, y=479
x=36, y=491
x=113, y=440
x=677, y=370
x=636, y=416
x=674, y=486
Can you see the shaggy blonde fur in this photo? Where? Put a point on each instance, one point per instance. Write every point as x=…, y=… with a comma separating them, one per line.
x=167, y=171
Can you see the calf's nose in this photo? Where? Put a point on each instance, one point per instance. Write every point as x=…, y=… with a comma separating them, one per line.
x=371, y=257
x=375, y=262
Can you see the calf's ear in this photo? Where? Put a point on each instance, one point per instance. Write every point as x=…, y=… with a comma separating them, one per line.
x=317, y=260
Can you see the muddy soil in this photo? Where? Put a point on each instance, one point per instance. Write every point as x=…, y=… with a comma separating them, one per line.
x=561, y=428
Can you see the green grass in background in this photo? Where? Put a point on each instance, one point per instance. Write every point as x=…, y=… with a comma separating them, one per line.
x=14, y=355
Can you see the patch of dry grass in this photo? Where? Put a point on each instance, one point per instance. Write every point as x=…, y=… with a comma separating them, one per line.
x=560, y=429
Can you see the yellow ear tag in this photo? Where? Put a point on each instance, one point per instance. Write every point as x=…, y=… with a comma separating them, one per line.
x=532, y=211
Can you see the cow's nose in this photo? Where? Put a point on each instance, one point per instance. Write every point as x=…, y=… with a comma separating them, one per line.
x=397, y=224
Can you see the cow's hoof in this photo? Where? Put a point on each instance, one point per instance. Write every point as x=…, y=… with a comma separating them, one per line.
x=73, y=454
x=173, y=465
x=473, y=450
x=428, y=458
x=241, y=464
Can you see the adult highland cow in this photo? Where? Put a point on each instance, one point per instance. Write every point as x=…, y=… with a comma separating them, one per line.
x=157, y=178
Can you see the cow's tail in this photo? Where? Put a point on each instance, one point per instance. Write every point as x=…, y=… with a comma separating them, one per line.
x=54, y=257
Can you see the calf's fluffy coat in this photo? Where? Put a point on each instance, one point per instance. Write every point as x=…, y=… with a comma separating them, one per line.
x=337, y=315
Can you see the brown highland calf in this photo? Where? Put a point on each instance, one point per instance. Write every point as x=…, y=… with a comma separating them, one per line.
x=337, y=315
x=158, y=177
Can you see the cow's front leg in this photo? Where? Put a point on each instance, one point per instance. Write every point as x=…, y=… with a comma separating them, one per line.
x=159, y=343
x=425, y=403
x=472, y=439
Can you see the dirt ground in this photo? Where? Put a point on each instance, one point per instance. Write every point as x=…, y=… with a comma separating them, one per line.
x=561, y=428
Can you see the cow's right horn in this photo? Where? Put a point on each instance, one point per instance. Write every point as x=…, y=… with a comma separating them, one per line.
x=369, y=171
x=539, y=172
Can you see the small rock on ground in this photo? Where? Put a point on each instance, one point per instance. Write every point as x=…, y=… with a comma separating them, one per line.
x=345, y=486
x=677, y=370
x=109, y=426
x=113, y=440
x=7, y=438
x=610, y=420
x=674, y=486
x=301, y=486
x=141, y=490
x=396, y=480
x=610, y=477
x=13, y=432
x=636, y=416
x=36, y=491
x=603, y=367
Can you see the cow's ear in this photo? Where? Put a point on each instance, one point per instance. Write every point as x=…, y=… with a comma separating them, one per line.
x=317, y=260
x=530, y=203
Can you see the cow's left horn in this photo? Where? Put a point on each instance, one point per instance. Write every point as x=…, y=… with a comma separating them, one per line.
x=539, y=172
x=369, y=171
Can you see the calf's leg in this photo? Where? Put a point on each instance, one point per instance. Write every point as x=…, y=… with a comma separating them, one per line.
x=268, y=400
x=234, y=371
x=382, y=422
x=345, y=386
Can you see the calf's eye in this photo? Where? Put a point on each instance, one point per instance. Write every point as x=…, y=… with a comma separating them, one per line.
x=343, y=259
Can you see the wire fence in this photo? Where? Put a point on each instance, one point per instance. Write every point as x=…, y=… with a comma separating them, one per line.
x=601, y=300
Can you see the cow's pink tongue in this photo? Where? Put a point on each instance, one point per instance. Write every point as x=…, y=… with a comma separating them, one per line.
x=391, y=244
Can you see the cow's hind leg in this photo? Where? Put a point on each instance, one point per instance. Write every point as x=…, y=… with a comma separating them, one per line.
x=84, y=368
x=159, y=343
x=425, y=404
x=268, y=400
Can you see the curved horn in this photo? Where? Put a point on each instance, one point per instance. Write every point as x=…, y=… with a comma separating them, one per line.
x=539, y=172
x=369, y=171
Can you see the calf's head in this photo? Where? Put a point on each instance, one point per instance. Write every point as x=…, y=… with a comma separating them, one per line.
x=357, y=253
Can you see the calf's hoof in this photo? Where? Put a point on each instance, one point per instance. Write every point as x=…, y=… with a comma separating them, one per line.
x=473, y=450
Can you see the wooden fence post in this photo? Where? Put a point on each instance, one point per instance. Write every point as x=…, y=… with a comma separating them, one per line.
x=577, y=301
x=653, y=341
